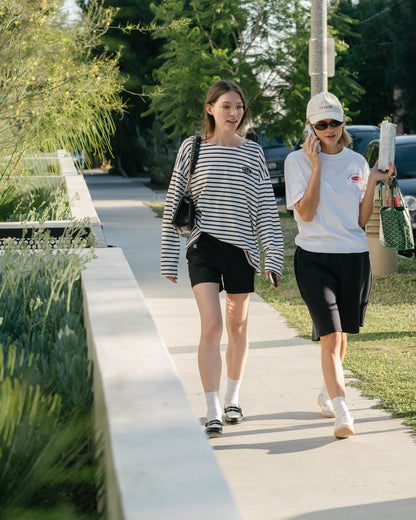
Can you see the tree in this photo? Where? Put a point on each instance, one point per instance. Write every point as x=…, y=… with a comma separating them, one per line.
x=55, y=93
x=203, y=43
x=370, y=58
x=129, y=36
x=400, y=75
x=261, y=44
x=380, y=52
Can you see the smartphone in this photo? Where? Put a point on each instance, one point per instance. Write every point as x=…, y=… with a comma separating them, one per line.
x=309, y=130
x=273, y=278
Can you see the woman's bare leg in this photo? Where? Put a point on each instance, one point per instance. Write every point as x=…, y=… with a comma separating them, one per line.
x=209, y=357
x=331, y=348
x=236, y=323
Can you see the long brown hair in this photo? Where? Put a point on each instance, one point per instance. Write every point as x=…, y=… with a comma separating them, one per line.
x=216, y=91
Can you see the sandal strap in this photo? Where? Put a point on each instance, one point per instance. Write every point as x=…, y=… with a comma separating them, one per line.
x=232, y=408
x=214, y=423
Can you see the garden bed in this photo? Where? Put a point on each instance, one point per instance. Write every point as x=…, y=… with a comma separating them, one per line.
x=47, y=443
x=81, y=209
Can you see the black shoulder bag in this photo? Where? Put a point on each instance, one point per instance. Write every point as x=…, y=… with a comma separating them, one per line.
x=183, y=218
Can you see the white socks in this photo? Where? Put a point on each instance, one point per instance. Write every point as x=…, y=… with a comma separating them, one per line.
x=340, y=407
x=233, y=389
x=344, y=423
x=214, y=410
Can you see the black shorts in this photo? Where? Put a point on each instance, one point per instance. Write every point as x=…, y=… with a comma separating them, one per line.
x=336, y=288
x=211, y=260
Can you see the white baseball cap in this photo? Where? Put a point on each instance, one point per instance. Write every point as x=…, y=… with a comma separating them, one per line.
x=324, y=106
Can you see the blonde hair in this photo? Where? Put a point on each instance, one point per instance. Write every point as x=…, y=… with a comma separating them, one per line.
x=345, y=139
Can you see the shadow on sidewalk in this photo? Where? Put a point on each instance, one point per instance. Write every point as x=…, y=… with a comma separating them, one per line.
x=404, y=509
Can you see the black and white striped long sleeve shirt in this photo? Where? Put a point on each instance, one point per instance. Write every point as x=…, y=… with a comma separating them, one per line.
x=234, y=202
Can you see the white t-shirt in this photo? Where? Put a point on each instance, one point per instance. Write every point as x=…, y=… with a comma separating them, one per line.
x=334, y=227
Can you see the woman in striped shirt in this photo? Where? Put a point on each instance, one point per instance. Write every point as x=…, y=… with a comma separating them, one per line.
x=234, y=207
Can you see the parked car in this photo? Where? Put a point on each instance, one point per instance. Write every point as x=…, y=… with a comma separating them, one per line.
x=362, y=135
x=275, y=151
x=79, y=159
x=405, y=162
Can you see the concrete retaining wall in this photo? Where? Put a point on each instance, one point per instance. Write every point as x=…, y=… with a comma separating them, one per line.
x=79, y=197
x=158, y=461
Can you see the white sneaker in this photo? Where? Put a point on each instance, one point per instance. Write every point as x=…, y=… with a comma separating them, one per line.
x=327, y=408
x=344, y=426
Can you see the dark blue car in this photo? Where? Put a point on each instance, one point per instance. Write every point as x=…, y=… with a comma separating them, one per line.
x=275, y=150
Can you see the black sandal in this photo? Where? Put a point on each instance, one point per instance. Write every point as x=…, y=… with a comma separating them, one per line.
x=234, y=410
x=213, y=428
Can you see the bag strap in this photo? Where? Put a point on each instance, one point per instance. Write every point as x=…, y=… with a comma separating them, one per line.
x=392, y=186
x=193, y=158
x=380, y=193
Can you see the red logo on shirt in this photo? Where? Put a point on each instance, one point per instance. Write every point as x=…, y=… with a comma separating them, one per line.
x=355, y=177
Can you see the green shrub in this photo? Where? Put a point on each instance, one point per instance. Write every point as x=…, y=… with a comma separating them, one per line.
x=160, y=152
x=23, y=203
x=48, y=466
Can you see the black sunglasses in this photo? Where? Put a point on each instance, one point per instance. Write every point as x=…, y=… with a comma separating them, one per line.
x=323, y=125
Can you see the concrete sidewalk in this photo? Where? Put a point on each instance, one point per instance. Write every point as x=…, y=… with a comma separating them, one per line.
x=283, y=461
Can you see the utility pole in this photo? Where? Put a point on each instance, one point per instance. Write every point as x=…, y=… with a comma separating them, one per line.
x=321, y=49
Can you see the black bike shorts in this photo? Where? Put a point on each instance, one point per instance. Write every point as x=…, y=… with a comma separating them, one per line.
x=211, y=260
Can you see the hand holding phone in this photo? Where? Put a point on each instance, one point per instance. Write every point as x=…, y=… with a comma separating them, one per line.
x=309, y=130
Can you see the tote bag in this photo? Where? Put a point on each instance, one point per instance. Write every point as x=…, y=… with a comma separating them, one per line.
x=395, y=222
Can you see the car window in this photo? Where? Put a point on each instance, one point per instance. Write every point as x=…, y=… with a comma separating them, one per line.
x=372, y=154
x=273, y=142
x=361, y=139
x=405, y=160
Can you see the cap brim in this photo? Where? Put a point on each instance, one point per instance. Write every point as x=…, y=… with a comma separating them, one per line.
x=326, y=115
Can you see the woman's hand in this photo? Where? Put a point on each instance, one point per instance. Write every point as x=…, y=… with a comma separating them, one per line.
x=277, y=277
x=366, y=205
x=173, y=279
x=379, y=175
x=308, y=204
x=311, y=148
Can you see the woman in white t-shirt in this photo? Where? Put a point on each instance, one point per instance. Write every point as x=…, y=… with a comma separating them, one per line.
x=330, y=188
